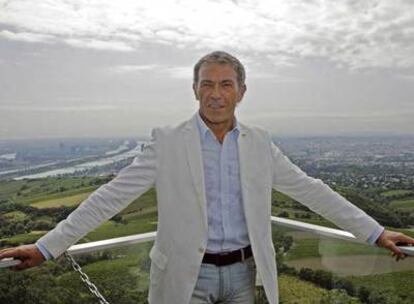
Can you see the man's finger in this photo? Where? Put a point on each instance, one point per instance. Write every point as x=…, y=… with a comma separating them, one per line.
x=394, y=248
x=9, y=253
x=3, y=252
x=406, y=239
x=21, y=266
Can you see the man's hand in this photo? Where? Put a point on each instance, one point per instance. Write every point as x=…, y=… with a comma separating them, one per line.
x=28, y=254
x=391, y=240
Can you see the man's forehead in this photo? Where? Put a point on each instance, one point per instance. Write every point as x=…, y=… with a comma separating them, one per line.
x=217, y=70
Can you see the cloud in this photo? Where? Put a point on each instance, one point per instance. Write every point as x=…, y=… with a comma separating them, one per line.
x=100, y=44
x=181, y=72
x=133, y=68
x=354, y=34
x=25, y=36
x=88, y=108
x=406, y=77
x=334, y=115
x=176, y=72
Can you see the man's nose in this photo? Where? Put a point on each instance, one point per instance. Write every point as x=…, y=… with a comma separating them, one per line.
x=216, y=93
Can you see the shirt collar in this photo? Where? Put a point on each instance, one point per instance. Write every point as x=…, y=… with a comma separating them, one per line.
x=204, y=129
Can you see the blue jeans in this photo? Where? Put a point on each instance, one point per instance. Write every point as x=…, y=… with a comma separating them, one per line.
x=231, y=284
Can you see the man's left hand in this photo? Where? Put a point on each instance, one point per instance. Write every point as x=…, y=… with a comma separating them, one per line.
x=391, y=240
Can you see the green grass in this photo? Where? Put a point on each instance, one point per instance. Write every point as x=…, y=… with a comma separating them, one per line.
x=34, y=190
x=73, y=200
x=294, y=291
x=147, y=200
x=400, y=283
x=42, y=197
x=17, y=216
x=24, y=238
x=319, y=221
x=403, y=204
x=128, y=268
x=280, y=197
x=110, y=229
x=398, y=192
x=141, y=216
x=315, y=247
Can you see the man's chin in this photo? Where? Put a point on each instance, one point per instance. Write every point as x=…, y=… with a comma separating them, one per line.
x=215, y=119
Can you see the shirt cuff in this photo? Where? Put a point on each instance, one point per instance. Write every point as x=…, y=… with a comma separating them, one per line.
x=375, y=235
x=44, y=251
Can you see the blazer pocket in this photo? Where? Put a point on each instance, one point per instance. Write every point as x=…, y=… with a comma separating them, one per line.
x=158, y=264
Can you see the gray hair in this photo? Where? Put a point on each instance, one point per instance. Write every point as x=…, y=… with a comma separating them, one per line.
x=221, y=57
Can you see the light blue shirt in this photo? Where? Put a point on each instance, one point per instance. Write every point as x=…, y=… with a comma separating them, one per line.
x=227, y=228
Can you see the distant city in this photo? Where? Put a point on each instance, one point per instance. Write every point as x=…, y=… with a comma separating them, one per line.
x=361, y=162
x=66, y=157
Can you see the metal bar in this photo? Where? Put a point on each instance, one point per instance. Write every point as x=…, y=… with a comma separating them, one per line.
x=8, y=262
x=297, y=225
x=150, y=236
x=111, y=243
x=315, y=229
x=328, y=232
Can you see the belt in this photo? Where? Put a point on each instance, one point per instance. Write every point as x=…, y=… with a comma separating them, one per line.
x=227, y=258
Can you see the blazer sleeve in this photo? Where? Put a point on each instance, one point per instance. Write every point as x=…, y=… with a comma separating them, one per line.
x=319, y=197
x=105, y=202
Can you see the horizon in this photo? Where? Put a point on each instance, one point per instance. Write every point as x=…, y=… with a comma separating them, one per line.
x=274, y=136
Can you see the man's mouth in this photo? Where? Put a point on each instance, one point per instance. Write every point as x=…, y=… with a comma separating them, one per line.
x=215, y=106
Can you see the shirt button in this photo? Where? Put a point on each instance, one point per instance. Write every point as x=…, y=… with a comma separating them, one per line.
x=201, y=250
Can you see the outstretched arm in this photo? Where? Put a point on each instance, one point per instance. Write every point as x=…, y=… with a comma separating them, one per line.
x=320, y=198
x=101, y=205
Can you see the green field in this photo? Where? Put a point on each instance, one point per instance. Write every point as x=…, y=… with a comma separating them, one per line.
x=400, y=283
x=403, y=204
x=110, y=229
x=16, y=216
x=35, y=190
x=398, y=192
x=24, y=238
x=293, y=290
x=315, y=247
x=65, y=201
x=124, y=275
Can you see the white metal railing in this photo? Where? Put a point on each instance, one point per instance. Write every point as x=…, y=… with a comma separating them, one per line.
x=150, y=236
x=297, y=225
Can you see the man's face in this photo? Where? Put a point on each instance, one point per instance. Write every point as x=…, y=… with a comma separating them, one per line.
x=218, y=92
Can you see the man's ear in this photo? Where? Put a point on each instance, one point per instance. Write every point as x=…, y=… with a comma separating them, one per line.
x=195, y=91
x=243, y=90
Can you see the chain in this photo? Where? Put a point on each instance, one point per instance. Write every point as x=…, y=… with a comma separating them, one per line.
x=85, y=279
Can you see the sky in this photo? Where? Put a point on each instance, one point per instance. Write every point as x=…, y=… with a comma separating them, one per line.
x=104, y=68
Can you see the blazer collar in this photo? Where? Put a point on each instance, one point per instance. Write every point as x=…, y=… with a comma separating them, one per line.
x=193, y=124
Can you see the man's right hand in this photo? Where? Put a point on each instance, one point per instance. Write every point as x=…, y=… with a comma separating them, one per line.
x=30, y=256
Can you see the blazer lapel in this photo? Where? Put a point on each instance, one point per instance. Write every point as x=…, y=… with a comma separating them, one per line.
x=245, y=145
x=195, y=162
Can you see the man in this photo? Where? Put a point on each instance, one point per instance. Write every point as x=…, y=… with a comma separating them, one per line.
x=213, y=177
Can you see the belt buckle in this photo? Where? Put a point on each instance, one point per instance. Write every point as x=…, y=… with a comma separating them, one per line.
x=242, y=255
x=218, y=257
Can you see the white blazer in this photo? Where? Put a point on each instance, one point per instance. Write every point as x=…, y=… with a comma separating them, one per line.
x=173, y=163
